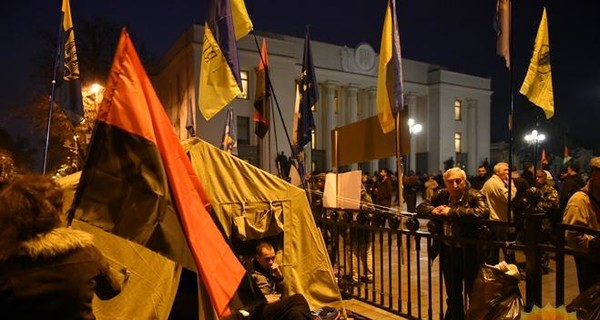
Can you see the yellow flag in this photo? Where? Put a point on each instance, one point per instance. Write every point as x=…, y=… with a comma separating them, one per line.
x=503, y=12
x=537, y=86
x=220, y=80
x=389, y=81
x=241, y=20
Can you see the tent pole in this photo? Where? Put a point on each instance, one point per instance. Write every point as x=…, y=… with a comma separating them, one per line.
x=399, y=166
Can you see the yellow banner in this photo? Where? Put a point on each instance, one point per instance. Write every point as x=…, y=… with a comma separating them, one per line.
x=537, y=86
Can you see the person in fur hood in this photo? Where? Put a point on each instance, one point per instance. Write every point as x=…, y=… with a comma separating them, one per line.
x=47, y=271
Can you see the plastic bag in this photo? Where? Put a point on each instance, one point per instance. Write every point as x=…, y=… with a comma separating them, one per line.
x=495, y=294
x=587, y=303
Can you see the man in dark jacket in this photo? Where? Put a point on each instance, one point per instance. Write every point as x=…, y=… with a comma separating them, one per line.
x=457, y=206
x=572, y=182
x=482, y=176
x=384, y=189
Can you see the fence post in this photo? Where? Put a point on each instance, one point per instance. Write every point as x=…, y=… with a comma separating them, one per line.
x=533, y=254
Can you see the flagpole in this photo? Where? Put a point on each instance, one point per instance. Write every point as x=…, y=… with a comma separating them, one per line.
x=287, y=135
x=510, y=114
x=399, y=166
x=52, y=91
x=270, y=88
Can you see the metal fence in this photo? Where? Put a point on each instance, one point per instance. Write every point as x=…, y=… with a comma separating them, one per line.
x=386, y=259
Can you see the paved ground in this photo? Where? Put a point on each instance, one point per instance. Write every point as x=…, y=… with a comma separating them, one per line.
x=548, y=295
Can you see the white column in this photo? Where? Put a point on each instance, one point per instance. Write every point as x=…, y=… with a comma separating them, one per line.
x=351, y=103
x=351, y=110
x=472, y=161
x=328, y=121
x=411, y=101
x=371, y=110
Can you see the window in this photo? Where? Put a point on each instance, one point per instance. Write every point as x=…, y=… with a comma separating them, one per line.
x=243, y=131
x=457, y=142
x=457, y=110
x=244, y=93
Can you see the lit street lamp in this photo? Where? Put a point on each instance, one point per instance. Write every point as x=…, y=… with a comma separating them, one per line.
x=535, y=138
x=413, y=129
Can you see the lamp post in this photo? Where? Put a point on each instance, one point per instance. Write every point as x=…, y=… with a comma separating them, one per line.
x=535, y=138
x=413, y=129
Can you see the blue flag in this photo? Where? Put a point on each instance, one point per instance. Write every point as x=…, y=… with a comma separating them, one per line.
x=68, y=95
x=309, y=95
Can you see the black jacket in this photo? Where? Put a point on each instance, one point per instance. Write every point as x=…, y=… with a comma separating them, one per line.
x=54, y=276
x=472, y=207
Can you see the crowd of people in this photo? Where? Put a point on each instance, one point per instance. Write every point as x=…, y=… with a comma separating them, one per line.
x=458, y=200
x=35, y=246
x=463, y=201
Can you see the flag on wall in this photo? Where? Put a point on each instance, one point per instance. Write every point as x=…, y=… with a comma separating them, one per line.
x=229, y=141
x=309, y=95
x=537, y=86
x=262, y=100
x=502, y=25
x=68, y=94
x=139, y=184
x=220, y=80
x=389, y=81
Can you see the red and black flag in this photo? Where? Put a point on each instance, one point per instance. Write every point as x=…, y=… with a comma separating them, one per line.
x=262, y=100
x=139, y=184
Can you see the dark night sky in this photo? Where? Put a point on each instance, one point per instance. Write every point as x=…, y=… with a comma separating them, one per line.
x=456, y=34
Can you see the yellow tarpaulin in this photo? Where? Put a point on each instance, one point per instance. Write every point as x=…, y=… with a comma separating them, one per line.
x=239, y=190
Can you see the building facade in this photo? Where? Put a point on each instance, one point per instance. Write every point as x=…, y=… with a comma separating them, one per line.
x=453, y=108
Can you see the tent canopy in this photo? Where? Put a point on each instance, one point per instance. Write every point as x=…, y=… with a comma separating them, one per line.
x=252, y=204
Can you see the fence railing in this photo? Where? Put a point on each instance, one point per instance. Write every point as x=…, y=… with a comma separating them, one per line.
x=386, y=259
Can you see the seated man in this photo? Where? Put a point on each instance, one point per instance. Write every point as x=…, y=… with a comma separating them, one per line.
x=269, y=278
x=266, y=272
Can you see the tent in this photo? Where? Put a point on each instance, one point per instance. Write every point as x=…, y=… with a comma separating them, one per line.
x=249, y=204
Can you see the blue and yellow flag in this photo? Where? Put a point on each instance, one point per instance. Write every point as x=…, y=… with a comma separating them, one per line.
x=389, y=82
x=220, y=80
x=68, y=95
x=537, y=86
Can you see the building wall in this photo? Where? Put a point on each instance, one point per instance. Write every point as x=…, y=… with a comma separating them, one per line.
x=347, y=80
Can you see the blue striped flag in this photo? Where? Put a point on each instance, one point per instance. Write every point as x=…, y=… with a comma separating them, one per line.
x=309, y=95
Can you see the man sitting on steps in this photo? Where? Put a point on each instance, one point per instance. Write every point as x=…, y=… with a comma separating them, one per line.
x=268, y=276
